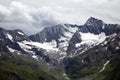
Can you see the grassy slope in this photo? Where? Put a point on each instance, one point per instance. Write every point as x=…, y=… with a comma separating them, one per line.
x=14, y=68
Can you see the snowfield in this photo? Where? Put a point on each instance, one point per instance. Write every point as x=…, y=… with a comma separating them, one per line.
x=91, y=39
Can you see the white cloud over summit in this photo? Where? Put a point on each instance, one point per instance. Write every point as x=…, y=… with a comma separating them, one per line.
x=33, y=15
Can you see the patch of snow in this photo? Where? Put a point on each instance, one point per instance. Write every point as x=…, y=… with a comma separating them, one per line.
x=10, y=49
x=105, y=42
x=71, y=29
x=62, y=38
x=49, y=46
x=83, y=51
x=24, y=46
x=66, y=77
x=62, y=53
x=104, y=66
x=91, y=39
x=68, y=34
x=20, y=33
x=26, y=42
x=45, y=39
x=63, y=45
x=62, y=57
x=97, y=50
x=10, y=37
x=65, y=40
x=106, y=48
x=113, y=39
x=112, y=35
x=102, y=44
x=117, y=48
x=13, y=50
x=82, y=60
x=35, y=57
x=103, y=26
x=29, y=51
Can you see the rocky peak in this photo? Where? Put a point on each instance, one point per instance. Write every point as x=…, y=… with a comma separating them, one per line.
x=76, y=38
x=97, y=26
x=48, y=34
x=93, y=21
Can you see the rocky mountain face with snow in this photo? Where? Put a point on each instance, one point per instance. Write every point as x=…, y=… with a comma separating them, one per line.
x=98, y=63
x=92, y=33
x=72, y=45
x=9, y=38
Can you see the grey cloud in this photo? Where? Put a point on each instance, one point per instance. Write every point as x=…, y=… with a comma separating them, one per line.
x=32, y=16
x=30, y=20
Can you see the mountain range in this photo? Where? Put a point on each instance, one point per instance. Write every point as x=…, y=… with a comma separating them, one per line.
x=73, y=52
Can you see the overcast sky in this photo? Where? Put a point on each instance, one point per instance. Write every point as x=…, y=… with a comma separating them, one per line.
x=33, y=15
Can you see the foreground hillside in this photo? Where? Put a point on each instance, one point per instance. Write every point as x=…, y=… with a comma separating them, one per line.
x=14, y=68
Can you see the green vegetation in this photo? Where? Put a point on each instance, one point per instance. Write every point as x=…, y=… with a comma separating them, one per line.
x=14, y=68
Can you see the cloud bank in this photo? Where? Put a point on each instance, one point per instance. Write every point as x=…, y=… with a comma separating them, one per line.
x=32, y=16
x=30, y=20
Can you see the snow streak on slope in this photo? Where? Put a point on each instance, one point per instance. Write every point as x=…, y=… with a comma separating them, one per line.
x=10, y=37
x=20, y=33
x=13, y=50
x=104, y=66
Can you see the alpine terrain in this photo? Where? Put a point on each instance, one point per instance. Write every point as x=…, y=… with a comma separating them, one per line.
x=62, y=52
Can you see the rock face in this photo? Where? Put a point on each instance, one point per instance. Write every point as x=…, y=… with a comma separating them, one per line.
x=9, y=38
x=97, y=26
x=99, y=62
x=93, y=26
x=76, y=38
x=48, y=34
x=55, y=43
x=92, y=33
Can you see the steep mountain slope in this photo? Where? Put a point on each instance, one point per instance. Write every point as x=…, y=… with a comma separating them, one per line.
x=54, y=40
x=97, y=26
x=92, y=33
x=72, y=40
x=85, y=50
x=9, y=39
x=98, y=63
x=15, y=68
x=55, y=43
x=61, y=34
